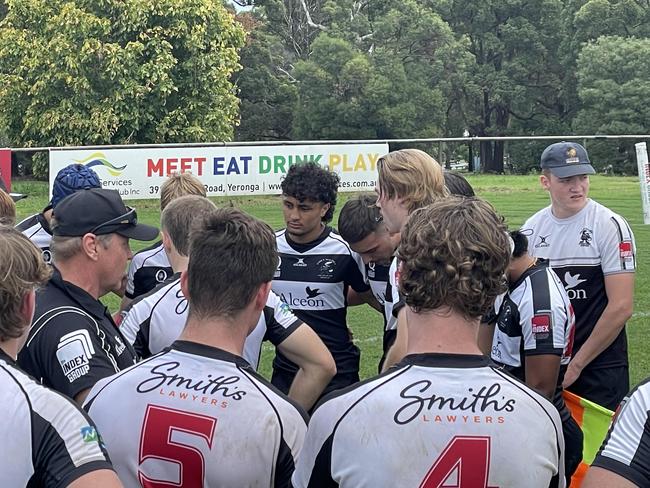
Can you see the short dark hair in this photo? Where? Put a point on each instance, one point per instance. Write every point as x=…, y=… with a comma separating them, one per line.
x=310, y=181
x=454, y=253
x=231, y=255
x=521, y=243
x=359, y=217
x=181, y=216
x=457, y=184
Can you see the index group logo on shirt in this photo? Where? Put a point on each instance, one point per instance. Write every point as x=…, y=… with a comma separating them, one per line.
x=74, y=352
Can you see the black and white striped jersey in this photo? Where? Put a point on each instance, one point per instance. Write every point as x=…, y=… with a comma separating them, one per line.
x=313, y=279
x=377, y=276
x=195, y=415
x=534, y=317
x=73, y=341
x=47, y=441
x=37, y=229
x=434, y=420
x=155, y=320
x=626, y=449
x=148, y=268
x=582, y=250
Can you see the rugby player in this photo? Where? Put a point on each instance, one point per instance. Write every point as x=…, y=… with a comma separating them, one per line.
x=46, y=439
x=70, y=179
x=150, y=266
x=315, y=271
x=445, y=415
x=623, y=460
x=155, y=320
x=361, y=225
x=593, y=252
x=534, y=336
x=197, y=414
x=408, y=179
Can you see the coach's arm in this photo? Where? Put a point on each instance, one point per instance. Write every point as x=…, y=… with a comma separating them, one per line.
x=620, y=296
x=315, y=362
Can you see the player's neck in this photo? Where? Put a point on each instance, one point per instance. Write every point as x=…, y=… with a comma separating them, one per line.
x=11, y=348
x=179, y=263
x=441, y=331
x=309, y=237
x=223, y=333
x=519, y=266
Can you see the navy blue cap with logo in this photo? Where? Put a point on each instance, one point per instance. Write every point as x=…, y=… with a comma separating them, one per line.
x=566, y=159
x=72, y=178
x=99, y=211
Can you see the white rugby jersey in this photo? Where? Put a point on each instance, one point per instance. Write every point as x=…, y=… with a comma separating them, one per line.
x=148, y=268
x=313, y=279
x=46, y=440
x=155, y=320
x=582, y=249
x=196, y=415
x=434, y=420
x=377, y=276
x=626, y=449
x=37, y=230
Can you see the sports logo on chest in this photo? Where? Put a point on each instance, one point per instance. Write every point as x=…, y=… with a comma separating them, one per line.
x=542, y=241
x=586, y=235
x=326, y=268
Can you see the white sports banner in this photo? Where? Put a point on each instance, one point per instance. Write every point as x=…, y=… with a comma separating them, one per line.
x=644, y=178
x=227, y=170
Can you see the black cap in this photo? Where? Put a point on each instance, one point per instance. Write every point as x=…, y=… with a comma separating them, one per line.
x=566, y=159
x=99, y=211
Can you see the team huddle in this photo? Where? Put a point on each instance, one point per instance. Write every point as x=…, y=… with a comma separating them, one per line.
x=484, y=328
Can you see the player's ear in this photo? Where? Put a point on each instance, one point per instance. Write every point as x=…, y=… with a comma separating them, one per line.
x=166, y=240
x=544, y=180
x=185, y=284
x=27, y=307
x=324, y=209
x=262, y=295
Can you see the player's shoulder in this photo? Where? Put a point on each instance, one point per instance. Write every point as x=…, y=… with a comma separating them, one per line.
x=538, y=218
x=149, y=300
x=28, y=223
x=284, y=407
x=153, y=255
x=334, y=240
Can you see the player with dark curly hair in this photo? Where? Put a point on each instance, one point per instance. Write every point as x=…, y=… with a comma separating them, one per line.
x=316, y=269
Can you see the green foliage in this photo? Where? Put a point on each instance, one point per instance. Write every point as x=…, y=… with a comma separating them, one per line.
x=614, y=88
x=117, y=71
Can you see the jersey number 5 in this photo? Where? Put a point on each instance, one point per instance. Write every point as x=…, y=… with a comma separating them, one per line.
x=156, y=442
x=468, y=458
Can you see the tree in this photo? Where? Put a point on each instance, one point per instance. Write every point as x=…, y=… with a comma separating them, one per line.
x=515, y=75
x=379, y=70
x=614, y=88
x=118, y=71
x=267, y=90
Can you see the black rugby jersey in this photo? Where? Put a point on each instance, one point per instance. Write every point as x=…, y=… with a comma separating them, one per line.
x=195, y=415
x=313, y=279
x=148, y=268
x=626, y=448
x=47, y=441
x=434, y=420
x=73, y=341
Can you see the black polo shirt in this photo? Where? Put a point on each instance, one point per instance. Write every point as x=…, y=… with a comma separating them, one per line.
x=73, y=342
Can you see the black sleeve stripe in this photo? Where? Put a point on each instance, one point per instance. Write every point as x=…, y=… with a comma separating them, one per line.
x=338, y=238
x=621, y=469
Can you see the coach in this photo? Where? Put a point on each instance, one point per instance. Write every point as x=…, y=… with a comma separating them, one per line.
x=74, y=341
x=592, y=251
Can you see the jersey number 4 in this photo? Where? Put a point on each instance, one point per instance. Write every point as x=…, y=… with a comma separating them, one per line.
x=161, y=425
x=465, y=463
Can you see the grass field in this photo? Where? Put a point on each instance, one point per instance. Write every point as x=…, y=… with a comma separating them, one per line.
x=516, y=197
